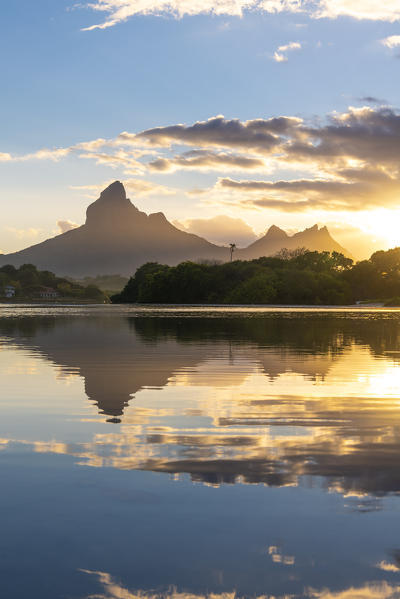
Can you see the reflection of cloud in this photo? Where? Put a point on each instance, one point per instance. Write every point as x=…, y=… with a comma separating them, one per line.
x=257, y=401
x=278, y=557
x=269, y=432
x=378, y=590
x=387, y=566
x=113, y=590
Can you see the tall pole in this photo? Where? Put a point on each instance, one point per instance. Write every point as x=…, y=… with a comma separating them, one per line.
x=232, y=247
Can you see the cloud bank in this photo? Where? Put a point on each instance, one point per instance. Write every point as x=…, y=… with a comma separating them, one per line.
x=347, y=161
x=118, y=11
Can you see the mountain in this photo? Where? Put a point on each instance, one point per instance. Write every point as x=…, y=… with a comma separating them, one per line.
x=276, y=239
x=118, y=238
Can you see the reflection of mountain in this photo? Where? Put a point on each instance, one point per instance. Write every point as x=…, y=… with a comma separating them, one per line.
x=119, y=357
x=118, y=238
x=266, y=399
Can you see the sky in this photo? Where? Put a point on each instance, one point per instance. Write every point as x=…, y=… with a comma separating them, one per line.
x=227, y=115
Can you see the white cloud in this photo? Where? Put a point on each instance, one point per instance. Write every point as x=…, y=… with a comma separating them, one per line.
x=280, y=54
x=66, y=225
x=139, y=187
x=391, y=42
x=118, y=11
x=373, y=10
x=30, y=233
x=220, y=229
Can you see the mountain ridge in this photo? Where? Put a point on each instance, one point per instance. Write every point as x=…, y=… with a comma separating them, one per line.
x=118, y=238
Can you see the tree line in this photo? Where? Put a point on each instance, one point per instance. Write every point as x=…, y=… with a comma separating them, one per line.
x=28, y=282
x=290, y=277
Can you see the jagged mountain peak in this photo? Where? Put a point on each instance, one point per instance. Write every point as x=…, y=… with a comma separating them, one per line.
x=115, y=191
x=276, y=232
x=112, y=209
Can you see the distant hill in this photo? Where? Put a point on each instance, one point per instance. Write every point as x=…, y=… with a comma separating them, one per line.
x=117, y=238
x=314, y=239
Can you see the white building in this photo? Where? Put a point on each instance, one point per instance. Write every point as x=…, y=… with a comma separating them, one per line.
x=9, y=291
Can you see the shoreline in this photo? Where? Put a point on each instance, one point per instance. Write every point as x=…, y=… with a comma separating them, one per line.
x=375, y=306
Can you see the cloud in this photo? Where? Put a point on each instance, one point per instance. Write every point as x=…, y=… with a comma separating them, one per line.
x=393, y=41
x=118, y=11
x=24, y=233
x=347, y=161
x=371, y=10
x=139, y=187
x=372, y=100
x=121, y=10
x=220, y=229
x=258, y=135
x=66, y=225
x=206, y=160
x=280, y=53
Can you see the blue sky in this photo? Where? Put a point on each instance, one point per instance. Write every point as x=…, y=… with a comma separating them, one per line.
x=62, y=85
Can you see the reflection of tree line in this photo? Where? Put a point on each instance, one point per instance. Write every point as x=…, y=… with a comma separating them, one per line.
x=317, y=333
x=352, y=443
x=313, y=332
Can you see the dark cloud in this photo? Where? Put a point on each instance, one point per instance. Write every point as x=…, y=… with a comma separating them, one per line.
x=259, y=135
x=372, y=100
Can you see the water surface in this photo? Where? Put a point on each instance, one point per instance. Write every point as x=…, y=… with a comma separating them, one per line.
x=193, y=452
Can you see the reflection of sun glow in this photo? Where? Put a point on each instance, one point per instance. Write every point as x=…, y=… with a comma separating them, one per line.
x=240, y=414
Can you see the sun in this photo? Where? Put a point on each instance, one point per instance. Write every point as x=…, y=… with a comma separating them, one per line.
x=383, y=225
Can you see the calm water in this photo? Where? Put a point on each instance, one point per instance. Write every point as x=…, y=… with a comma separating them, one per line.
x=196, y=453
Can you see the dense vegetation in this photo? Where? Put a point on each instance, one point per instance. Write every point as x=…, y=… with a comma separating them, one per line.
x=29, y=283
x=298, y=277
x=108, y=283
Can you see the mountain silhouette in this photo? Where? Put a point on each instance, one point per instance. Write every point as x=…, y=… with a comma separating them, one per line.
x=118, y=238
x=275, y=239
